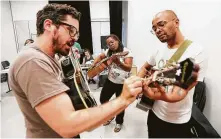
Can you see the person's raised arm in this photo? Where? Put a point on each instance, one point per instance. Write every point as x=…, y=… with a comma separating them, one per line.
x=59, y=113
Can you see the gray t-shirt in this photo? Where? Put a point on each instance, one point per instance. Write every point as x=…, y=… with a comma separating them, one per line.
x=35, y=77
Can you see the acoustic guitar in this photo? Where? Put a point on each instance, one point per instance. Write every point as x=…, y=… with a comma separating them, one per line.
x=103, y=64
x=182, y=74
x=74, y=78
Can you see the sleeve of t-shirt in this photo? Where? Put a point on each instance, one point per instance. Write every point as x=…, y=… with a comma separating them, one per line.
x=38, y=81
x=201, y=59
x=129, y=54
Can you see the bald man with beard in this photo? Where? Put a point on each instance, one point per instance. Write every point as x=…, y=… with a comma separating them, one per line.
x=171, y=112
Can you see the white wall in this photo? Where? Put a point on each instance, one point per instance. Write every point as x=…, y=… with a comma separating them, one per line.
x=124, y=22
x=24, y=16
x=8, y=45
x=26, y=10
x=211, y=39
x=100, y=23
x=99, y=9
x=20, y=11
x=200, y=21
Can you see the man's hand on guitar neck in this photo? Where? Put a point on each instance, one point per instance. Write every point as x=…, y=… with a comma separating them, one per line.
x=170, y=84
x=159, y=92
x=131, y=89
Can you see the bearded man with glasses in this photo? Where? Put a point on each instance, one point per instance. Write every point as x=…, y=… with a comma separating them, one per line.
x=35, y=78
x=171, y=111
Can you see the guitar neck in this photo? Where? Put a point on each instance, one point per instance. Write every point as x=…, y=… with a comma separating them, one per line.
x=182, y=74
x=105, y=59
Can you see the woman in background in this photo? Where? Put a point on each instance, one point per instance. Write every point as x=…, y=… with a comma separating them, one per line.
x=119, y=70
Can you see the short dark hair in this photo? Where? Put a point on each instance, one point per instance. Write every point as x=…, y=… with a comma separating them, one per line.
x=56, y=13
x=120, y=47
x=87, y=50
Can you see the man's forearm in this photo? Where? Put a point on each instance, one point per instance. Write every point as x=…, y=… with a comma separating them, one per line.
x=174, y=95
x=87, y=119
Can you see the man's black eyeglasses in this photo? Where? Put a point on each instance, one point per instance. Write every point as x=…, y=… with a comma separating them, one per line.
x=160, y=25
x=72, y=30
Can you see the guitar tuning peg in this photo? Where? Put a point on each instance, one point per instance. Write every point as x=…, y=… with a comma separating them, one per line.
x=178, y=72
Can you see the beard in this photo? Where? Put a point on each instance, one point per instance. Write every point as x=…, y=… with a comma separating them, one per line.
x=167, y=37
x=163, y=39
x=58, y=47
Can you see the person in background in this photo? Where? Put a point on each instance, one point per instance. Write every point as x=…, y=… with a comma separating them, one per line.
x=87, y=61
x=28, y=41
x=88, y=58
x=77, y=49
x=119, y=70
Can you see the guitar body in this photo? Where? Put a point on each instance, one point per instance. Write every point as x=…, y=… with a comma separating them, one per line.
x=79, y=92
x=102, y=65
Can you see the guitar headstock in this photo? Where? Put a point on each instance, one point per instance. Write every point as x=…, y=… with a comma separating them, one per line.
x=182, y=74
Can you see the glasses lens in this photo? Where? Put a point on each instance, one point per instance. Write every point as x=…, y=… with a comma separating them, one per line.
x=74, y=32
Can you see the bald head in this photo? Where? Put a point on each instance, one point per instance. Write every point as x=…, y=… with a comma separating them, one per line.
x=166, y=14
x=165, y=24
